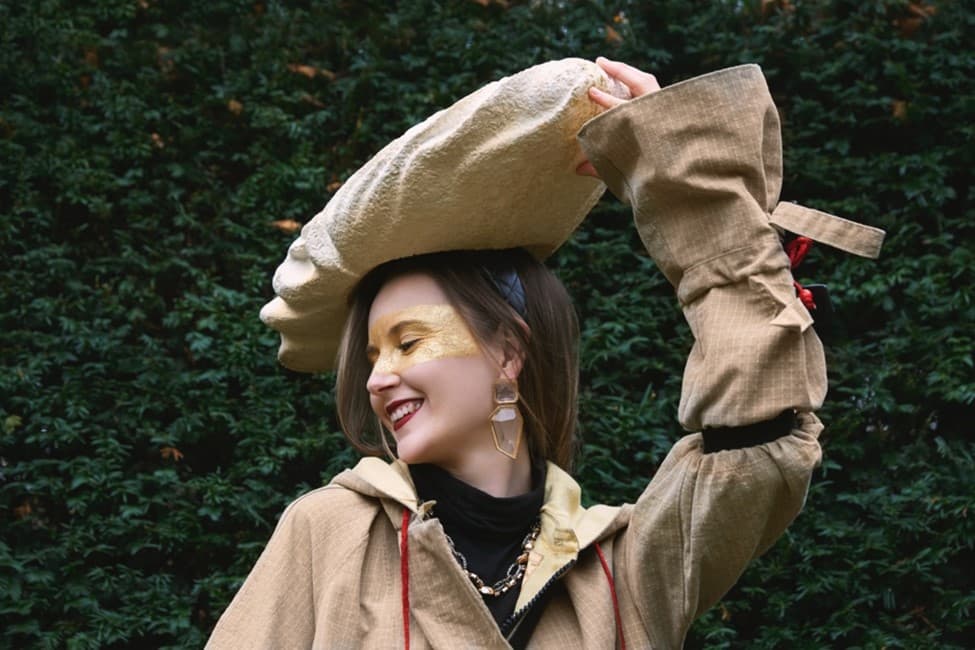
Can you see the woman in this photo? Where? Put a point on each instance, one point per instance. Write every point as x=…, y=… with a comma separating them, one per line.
x=475, y=536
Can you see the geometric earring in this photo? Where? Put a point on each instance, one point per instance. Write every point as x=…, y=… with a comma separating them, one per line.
x=506, y=421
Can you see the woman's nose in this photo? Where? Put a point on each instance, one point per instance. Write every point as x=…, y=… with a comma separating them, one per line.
x=379, y=380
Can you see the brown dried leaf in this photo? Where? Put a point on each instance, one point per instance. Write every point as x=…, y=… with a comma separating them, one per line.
x=770, y=6
x=918, y=14
x=308, y=99
x=305, y=70
x=333, y=186
x=287, y=225
x=23, y=510
x=171, y=453
x=907, y=26
x=612, y=36
x=164, y=61
x=157, y=141
x=922, y=10
x=311, y=71
x=235, y=107
x=899, y=109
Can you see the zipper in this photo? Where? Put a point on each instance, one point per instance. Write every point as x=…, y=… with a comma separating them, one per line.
x=515, y=618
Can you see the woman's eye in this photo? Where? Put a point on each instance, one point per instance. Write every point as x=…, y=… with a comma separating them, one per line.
x=405, y=346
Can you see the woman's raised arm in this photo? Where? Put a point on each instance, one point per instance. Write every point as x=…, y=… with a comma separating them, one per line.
x=700, y=164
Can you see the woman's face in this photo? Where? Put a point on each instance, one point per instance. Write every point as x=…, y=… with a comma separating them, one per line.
x=431, y=384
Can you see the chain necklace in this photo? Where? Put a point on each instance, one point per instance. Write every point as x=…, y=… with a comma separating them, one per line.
x=515, y=572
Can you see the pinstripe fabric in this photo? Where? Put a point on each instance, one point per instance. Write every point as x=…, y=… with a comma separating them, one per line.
x=701, y=164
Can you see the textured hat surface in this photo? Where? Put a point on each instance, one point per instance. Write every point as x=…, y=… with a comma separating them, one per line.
x=495, y=170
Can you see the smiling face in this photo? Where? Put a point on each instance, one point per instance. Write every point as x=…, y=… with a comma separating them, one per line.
x=431, y=383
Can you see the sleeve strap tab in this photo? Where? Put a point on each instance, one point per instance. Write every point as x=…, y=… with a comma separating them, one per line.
x=846, y=235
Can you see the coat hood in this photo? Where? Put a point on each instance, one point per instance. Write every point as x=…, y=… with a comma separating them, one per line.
x=567, y=527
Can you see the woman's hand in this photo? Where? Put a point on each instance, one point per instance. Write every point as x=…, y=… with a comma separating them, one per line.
x=639, y=83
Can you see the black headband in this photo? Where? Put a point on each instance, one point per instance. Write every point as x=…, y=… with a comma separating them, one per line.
x=509, y=285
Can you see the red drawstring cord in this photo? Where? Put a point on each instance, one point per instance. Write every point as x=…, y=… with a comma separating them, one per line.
x=612, y=593
x=404, y=570
x=796, y=250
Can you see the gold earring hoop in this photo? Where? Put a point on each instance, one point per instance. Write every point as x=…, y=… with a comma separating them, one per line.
x=507, y=424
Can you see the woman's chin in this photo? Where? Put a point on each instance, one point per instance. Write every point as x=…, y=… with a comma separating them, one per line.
x=412, y=452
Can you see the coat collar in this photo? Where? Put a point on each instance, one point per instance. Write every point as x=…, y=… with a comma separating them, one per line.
x=567, y=527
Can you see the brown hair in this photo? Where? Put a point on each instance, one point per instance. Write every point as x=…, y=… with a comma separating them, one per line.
x=549, y=379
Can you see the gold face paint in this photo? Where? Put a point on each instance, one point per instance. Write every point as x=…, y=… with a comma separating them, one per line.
x=414, y=335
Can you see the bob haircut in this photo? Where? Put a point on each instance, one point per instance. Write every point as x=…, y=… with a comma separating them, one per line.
x=549, y=379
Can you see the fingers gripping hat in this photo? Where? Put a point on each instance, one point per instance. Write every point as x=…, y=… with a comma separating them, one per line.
x=495, y=170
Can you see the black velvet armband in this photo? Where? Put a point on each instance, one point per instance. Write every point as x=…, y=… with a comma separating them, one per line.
x=721, y=438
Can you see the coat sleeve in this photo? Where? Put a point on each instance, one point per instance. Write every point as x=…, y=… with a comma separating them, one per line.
x=700, y=164
x=275, y=606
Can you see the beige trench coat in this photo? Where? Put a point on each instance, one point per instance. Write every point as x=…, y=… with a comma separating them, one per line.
x=706, y=150
x=330, y=576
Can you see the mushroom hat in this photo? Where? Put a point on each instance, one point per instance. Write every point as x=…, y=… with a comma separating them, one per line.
x=495, y=170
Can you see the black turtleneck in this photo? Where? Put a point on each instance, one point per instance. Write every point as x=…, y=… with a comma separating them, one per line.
x=488, y=531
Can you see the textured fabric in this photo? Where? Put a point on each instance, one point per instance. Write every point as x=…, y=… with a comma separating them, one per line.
x=700, y=164
x=329, y=577
x=825, y=228
x=496, y=170
x=708, y=169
